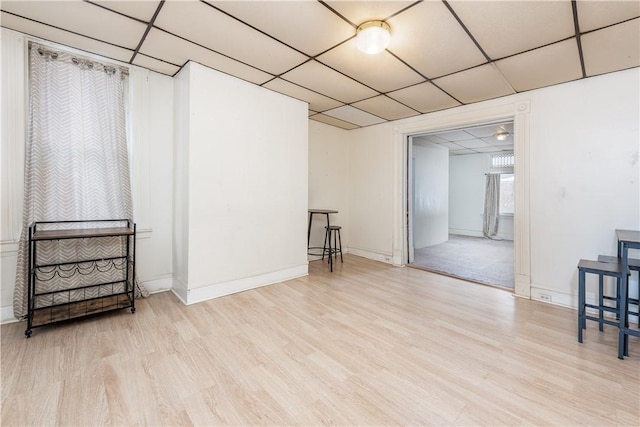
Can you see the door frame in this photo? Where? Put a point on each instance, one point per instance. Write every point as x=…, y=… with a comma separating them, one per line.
x=468, y=116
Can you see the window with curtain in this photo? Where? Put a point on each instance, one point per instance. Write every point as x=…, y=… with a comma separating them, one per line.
x=507, y=194
x=76, y=162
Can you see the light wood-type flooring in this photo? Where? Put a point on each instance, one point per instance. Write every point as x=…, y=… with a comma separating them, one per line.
x=369, y=344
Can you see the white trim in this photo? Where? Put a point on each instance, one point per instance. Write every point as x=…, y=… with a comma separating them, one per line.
x=465, y=232
x=180, y=290
x=140, y=144
x=14, y=130
x=216, y=290
x=9, y=248
x=6, y=315
x=376, y=256
x=470, y=115
x=159, y=285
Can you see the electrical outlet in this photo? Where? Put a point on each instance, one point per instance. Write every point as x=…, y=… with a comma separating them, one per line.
x=545, y=297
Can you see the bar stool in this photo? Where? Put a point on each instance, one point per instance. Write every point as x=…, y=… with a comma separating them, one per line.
x=634, y=265
x=601, y=269
x=332, y=231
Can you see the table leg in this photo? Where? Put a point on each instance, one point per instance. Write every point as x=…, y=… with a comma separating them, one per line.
x=309, y=231
x=329, y=233
x=623, y=347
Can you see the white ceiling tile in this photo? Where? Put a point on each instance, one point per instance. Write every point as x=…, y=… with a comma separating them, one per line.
x=424, y=97
x=506, y=143
x=612, y=48
x=488, y=149
x=317, y=102
x=476, y=84
x=169, y=48
x=546, y=66
x=430, y=39
x=155, y=65
x=314, y=29
x=597, y=14
x=451, y=145
x=372, y=70
x=354, y=115
x=533, y=42
x=434, y=138
x=493, y=142
x=383, y=106
x=333, y=121
x=82, y=18
x=489, y=130
x=504, y=28
x=142, y=10
x=359, y=12
x=463, y=151
x=323, y=79
x=455, y=135
x=473, y=143
x=211, y=28
x=65, y=38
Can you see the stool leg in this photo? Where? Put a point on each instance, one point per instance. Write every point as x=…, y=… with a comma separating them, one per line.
x=330, y=258
x=617, y=300
x=341, y=260
x=581, y=307
x=600, y=302
x=324, y=245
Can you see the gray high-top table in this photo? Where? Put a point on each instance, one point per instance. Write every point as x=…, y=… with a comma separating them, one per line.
x=627, y=239
x=313, y=212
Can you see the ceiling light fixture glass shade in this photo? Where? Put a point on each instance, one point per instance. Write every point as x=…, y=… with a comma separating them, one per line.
x=501, y=135
x=373, y=37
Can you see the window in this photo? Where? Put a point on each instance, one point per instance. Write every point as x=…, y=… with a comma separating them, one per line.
x=502, y=160
x=507, y=192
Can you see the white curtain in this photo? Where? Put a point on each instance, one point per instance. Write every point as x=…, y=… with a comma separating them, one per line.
x=76, y=165
x=491, y=205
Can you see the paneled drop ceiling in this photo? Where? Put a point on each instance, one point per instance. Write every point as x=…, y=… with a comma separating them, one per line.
x=442, y=53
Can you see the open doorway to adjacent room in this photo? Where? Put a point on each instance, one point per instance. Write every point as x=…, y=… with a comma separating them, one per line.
x=460, y=203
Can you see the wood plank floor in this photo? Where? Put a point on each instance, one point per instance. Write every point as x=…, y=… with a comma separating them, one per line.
x=369, y=344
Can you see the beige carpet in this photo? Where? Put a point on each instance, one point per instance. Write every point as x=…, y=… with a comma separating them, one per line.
x=471, y=258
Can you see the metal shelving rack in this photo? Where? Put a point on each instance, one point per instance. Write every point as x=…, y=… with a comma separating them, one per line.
x=91, y=297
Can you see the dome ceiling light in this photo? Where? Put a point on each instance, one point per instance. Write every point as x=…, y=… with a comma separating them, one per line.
x=501, y=134
x=373, y=37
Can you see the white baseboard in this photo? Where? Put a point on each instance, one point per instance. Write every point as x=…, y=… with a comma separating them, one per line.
x=389, y=259
x=6, y=315
x=540, y=293
x=464, y=232
x=216, y=290
x=179, y=289
x=159, y=285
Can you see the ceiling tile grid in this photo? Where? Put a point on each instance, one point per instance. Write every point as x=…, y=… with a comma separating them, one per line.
x=442, y=53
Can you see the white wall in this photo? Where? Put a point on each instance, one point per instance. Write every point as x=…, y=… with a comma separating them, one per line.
x=430, y=194
x=12, y=111
x=373, y=164
x=329, y=179
x=584, y=174
x=152, y=177
x=247, y=185
x=583, y=160
x=151, y=133
x=466, y=202
x=180, y=177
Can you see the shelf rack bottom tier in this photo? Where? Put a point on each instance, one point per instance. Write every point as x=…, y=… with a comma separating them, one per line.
x=45, y=315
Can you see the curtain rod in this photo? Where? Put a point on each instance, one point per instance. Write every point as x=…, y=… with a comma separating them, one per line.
x=82, y=61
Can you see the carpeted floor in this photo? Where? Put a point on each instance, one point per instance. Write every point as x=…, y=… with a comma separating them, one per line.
x=471, y=258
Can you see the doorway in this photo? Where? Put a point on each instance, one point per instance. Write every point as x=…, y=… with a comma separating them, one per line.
x=447, y=174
